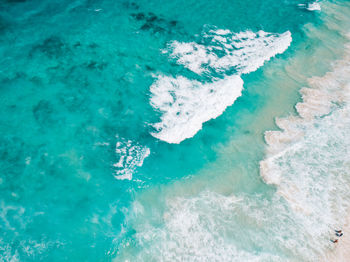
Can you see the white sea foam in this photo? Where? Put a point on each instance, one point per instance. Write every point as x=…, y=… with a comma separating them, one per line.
x=308, y=160
x=314, y=180
x=26, y=248
x=244, y=51
x=314, y=6
x=7, y=253
x=187, y=104
x=215, y=227
x=131, y=155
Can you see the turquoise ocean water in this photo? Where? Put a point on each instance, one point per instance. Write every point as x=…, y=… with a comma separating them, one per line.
x=135, y=130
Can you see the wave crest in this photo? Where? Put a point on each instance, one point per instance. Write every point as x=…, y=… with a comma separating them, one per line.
x=186, y=104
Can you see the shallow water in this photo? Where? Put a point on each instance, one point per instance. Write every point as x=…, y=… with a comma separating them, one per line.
x=95, y=94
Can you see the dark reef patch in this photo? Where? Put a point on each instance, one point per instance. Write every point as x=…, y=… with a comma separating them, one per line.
x=93, y=45
x=154, y=23
x=93, y=65
x=53, y=47
x=77, y=44
x=146, y=26
x=173, y=23
x=43, y=112
x=152, y=17
x=149, y=68
x=138, y=16
x=12, y=160
x=12, y=78
x=3, y=24
x=15, y=1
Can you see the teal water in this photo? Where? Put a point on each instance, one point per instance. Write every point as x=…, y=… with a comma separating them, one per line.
x=84, y=175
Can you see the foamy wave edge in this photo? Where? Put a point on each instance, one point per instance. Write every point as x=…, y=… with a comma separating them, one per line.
x=318, y=100
x=186, y=104
x=318, y=194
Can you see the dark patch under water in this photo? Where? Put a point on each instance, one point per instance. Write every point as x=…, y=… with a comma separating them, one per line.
x=15, y=1
x=154, y=23
x=53, y=47
x=44, y=113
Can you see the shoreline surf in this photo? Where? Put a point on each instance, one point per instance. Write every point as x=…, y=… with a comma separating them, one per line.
x=327, y=98
x=204, y=217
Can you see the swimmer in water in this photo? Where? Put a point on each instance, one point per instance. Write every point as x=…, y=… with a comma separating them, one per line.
x=334, y=241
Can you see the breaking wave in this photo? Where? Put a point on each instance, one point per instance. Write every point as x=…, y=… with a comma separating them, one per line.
x=186, y=104
x=223, y=50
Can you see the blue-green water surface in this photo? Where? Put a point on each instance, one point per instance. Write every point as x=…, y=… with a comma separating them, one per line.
x=75, y=80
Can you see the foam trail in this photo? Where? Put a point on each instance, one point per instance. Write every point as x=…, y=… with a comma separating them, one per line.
x=244, y=51
x=186, y=104
x=131, y=156
x=314, y=6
